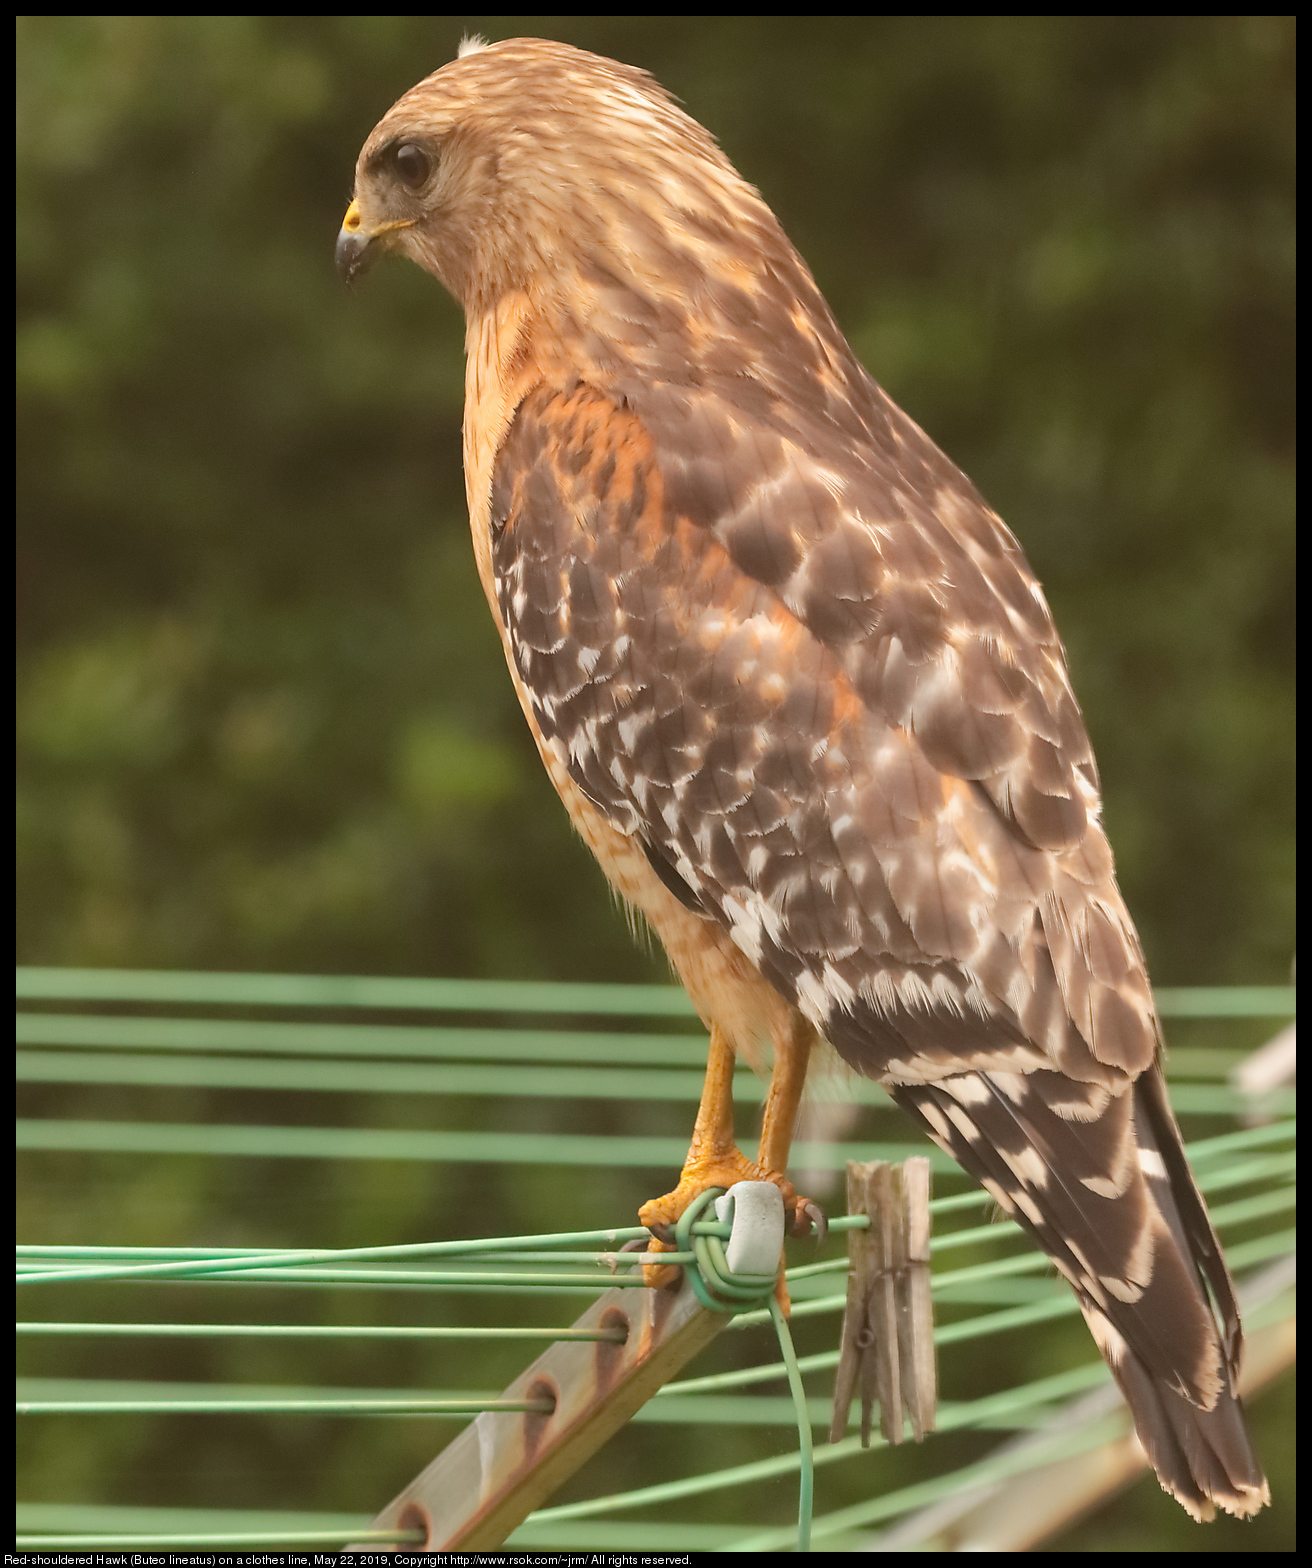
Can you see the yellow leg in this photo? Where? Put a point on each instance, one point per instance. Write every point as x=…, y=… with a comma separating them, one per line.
x=715, y=1160
x=778, y=1123
x=784, y=1098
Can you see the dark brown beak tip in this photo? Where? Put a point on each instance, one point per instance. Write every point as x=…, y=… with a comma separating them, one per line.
x=354, y=256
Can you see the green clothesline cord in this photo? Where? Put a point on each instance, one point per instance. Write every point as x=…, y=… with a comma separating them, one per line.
x=719, y=1290
x=1199, y=1150
x=35, y=983
x=317, y=1331
x=806, y=1457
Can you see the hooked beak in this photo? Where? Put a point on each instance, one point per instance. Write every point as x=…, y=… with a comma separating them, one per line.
x=357, y=247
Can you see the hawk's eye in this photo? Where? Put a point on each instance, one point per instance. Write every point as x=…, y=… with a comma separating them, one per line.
x=411, y=164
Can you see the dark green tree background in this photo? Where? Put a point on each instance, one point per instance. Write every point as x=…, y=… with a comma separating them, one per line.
x=264, y=721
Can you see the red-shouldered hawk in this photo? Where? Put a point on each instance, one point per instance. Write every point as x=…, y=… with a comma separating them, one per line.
x=801, y=693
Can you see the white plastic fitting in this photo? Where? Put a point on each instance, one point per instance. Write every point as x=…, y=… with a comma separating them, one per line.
x=756, y=1211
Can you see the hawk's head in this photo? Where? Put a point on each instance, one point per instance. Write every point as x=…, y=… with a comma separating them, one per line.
x=529, y=161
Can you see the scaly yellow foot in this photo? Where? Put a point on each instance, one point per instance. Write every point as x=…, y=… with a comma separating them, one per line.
x=718, y=1167
x=714, y=1159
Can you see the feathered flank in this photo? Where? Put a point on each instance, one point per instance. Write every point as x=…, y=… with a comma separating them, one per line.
x=799, y=688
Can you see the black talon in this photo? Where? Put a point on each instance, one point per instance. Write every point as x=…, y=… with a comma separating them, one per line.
x=663, y=1232
x=815, y=1220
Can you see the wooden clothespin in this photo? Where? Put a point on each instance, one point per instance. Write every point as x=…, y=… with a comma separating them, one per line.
x=888, y=1323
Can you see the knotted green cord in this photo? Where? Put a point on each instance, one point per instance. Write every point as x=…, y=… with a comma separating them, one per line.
x=711, y=1281
x=720, y=1291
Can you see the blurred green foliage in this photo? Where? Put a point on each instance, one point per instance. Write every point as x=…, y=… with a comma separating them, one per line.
x=264, y=721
